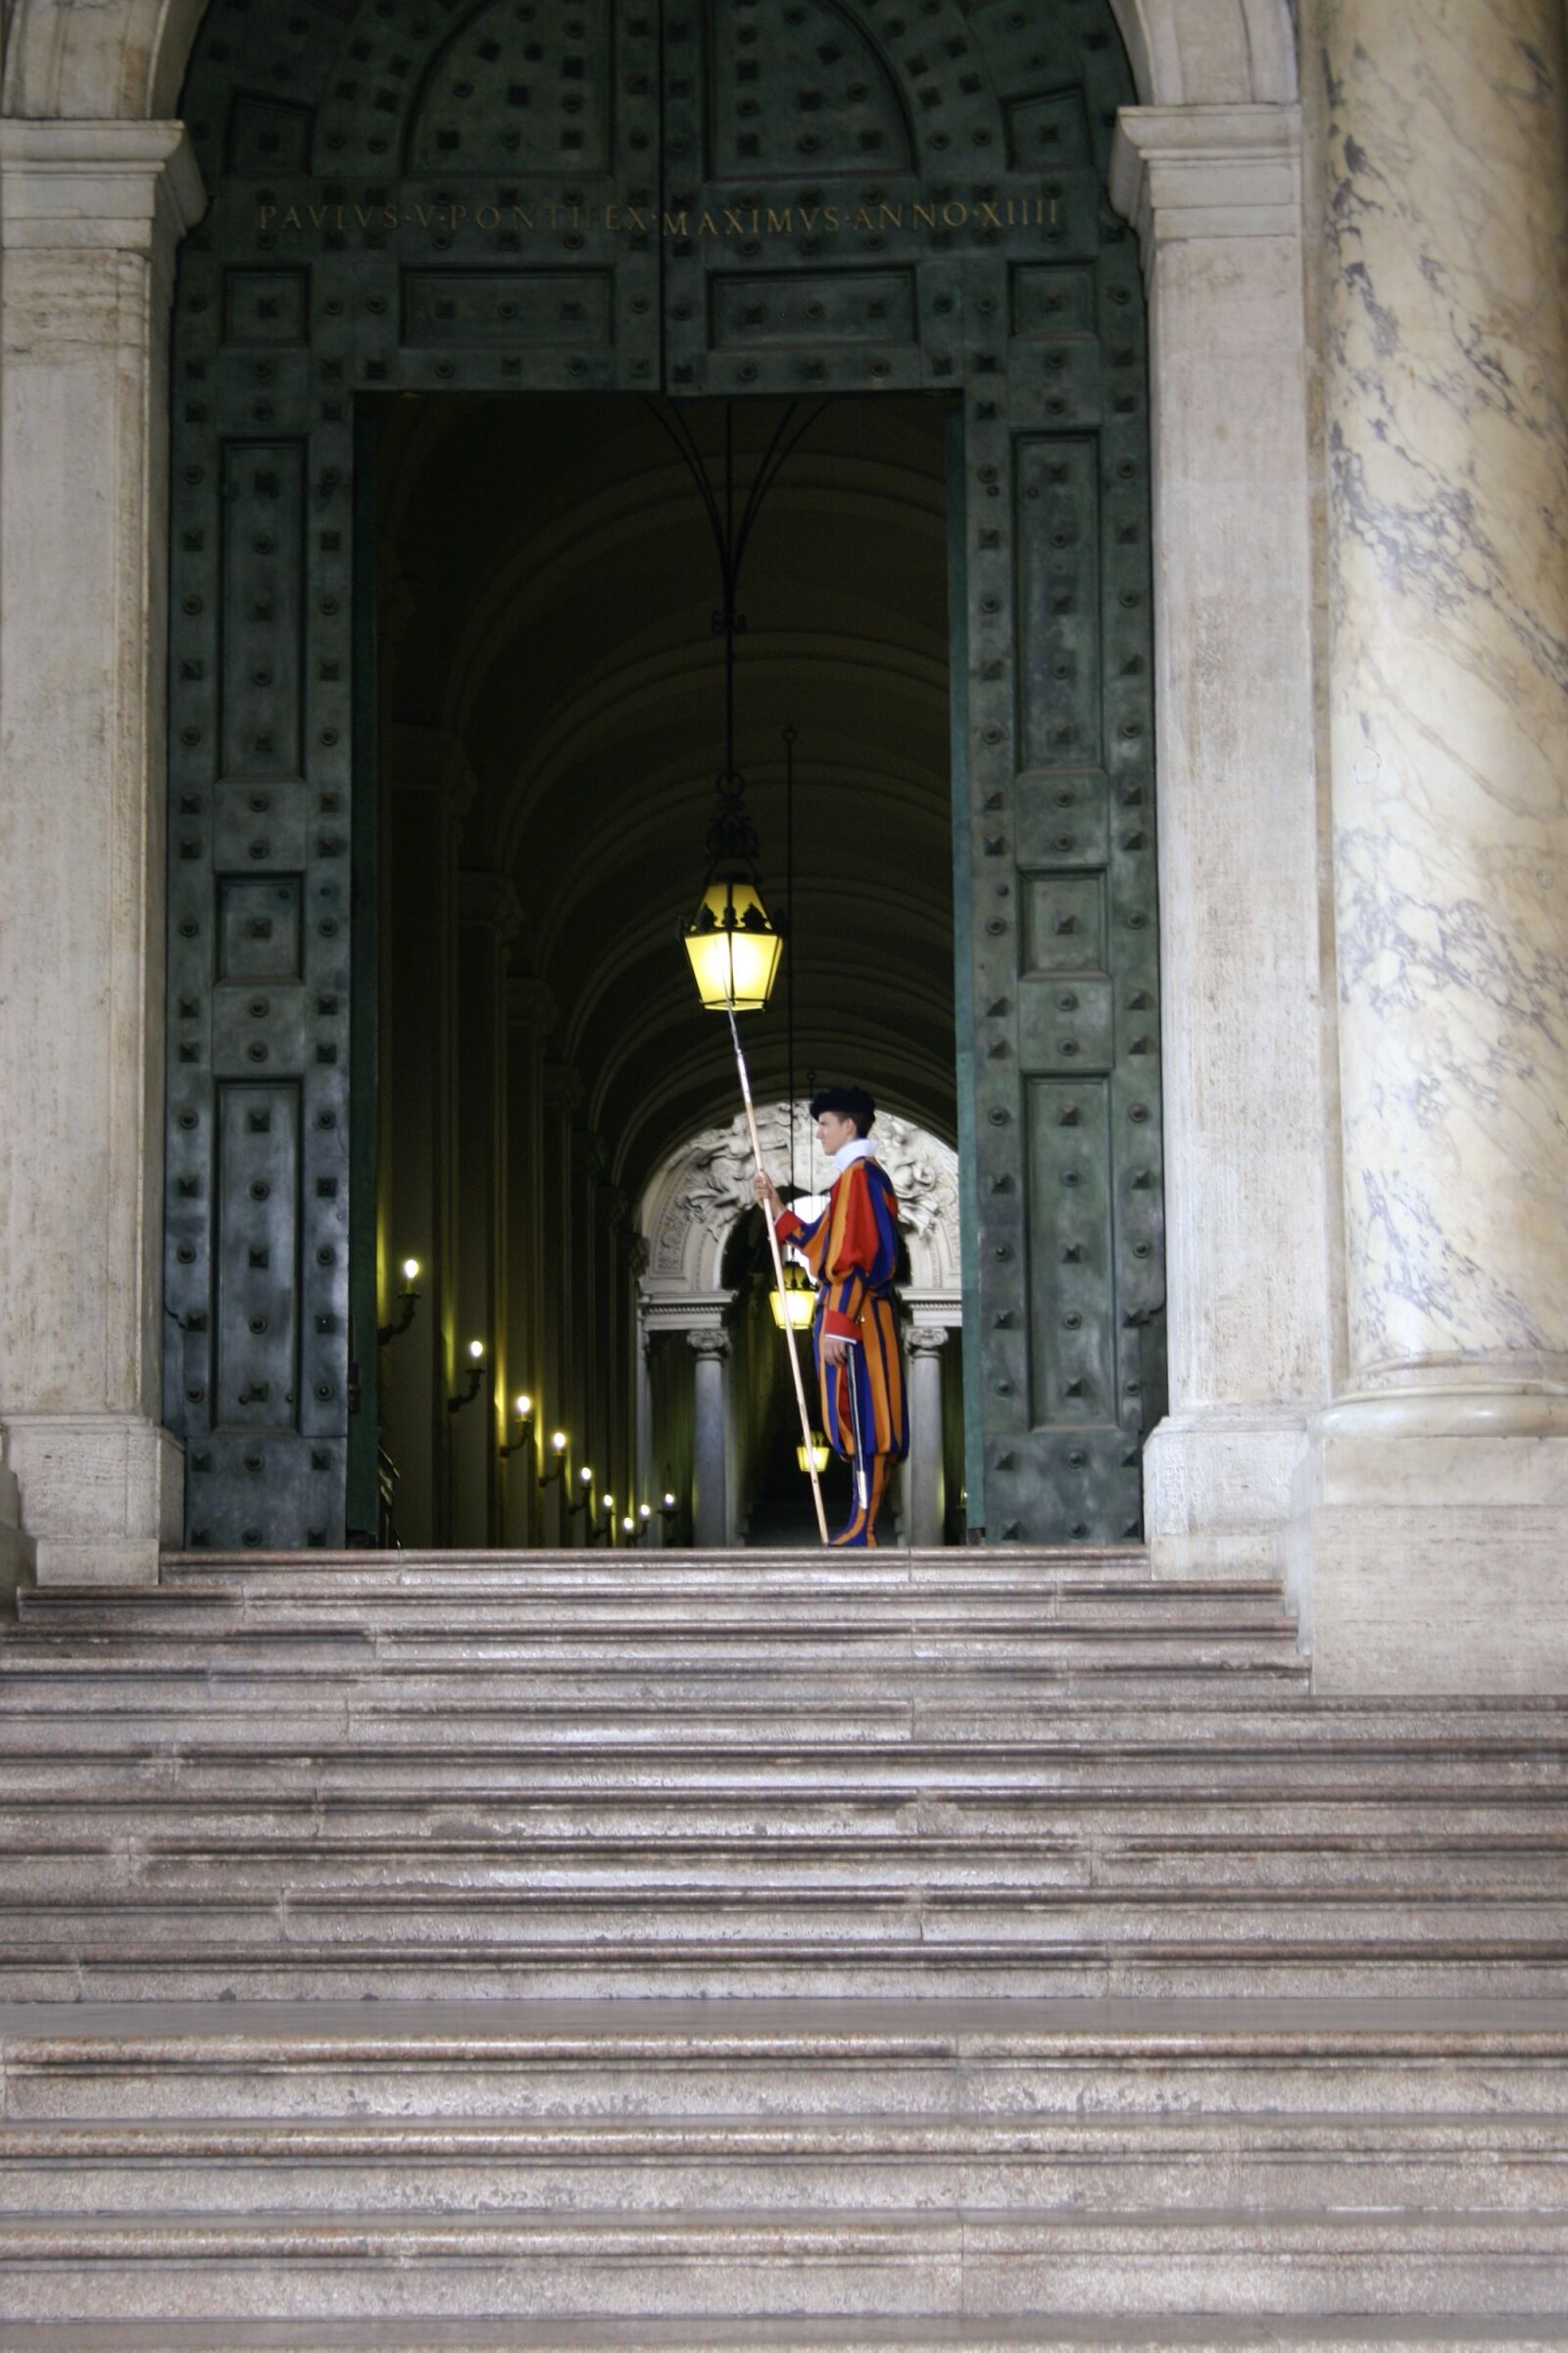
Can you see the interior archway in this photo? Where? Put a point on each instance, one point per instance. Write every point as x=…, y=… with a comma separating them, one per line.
x=552, y=723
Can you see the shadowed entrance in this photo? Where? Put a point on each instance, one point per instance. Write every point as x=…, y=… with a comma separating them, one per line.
x=552, y=712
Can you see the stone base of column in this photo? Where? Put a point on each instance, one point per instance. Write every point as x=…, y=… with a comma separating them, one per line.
x=1217, y=1488
x=1427, y=1544
x=102, y=1495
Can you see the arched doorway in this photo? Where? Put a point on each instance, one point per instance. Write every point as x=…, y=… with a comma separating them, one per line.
x=551, y=693
x=714, y=1405
x=744, y=202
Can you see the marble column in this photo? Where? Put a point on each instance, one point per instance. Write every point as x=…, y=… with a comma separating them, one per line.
x=1434, y=1506
x=1216, y=195
x=923, y=1346
x=90, y=216
x=710, y=1440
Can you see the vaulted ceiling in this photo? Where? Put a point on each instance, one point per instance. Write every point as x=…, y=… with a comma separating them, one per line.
x=554, y=584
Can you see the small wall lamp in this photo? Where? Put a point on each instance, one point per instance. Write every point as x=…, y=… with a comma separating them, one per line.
x=666, y=1510
x=465, y=1396
x=583, y=1499
x=524, y=1437
x=408, y=1300
x=556, y=1468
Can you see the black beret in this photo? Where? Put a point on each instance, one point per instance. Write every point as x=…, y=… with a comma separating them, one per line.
x=848, y=1102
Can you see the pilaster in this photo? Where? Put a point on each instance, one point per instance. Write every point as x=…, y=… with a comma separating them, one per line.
x=1216, y=195
x=91, y=219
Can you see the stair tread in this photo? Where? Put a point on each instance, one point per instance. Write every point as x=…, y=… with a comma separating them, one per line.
x=155, y=2238
x=912, y=2333
x=994, y=2132
x=945, y=2025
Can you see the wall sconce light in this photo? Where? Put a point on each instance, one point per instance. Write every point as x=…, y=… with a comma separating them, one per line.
x=524, y=1437
x=645, y=1520
x=408, y=1300
x=666, y=1510
x=608, y=1503
x=556, y=1466
x=465, y=1396
x=583, y=1499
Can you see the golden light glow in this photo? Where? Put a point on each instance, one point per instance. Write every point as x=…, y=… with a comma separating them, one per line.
x=814, y=1457
x=609, y=1504
x=411, y=1271
x=628, y=1523
x=476, y=1349
x=733, y=948
x=557, y=1442
x=585, y=1476
x=525, y=1409
x=798, y=1304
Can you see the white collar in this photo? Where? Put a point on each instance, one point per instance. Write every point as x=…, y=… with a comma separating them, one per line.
x=860, y=1147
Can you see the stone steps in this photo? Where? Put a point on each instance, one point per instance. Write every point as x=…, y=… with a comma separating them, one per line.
x=960, y=1758
x=1055, y=2165
x=1400, y=1867
x=1180, y=1662
x=716, y=2259
x=257, y=1572
x=911, y=2333
x=642, y=1589
x=117, y=1820
x=635, y=2061
x=814, y=1952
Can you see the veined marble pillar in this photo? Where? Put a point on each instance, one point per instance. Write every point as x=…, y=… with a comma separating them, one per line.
x=710, y=1440
x=1434, y=1506
x=925, y=1344
x=90, y=216
x=1216, y=195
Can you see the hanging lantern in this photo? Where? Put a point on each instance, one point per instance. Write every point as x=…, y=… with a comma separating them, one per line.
x=734, y=949
x=814, y=1456
x=795, y=1305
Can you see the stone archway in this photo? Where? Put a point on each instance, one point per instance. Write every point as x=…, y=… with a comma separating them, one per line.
x=78, y=59
x=95, y=196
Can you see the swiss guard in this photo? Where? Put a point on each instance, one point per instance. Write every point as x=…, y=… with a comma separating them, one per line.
x=853, y=1250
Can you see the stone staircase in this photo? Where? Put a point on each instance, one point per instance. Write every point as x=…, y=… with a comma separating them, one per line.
x=953, y=1949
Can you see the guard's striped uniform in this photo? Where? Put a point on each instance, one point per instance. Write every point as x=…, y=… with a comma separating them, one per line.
x=853, y=1250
